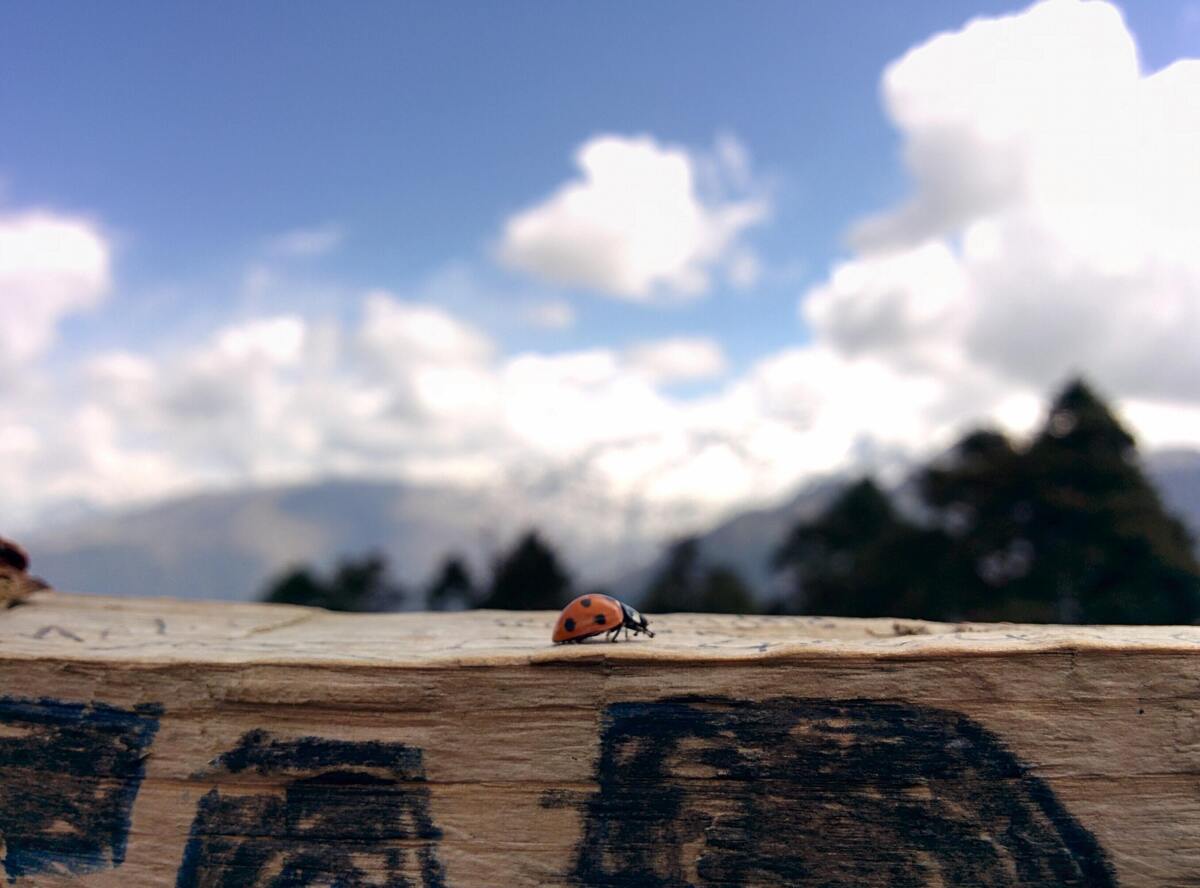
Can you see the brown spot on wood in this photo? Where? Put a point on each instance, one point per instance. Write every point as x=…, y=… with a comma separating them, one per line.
x=12, y=555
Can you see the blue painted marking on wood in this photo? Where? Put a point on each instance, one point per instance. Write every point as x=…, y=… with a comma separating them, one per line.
x=346, y=809
x=712, y=791
x=69, y=774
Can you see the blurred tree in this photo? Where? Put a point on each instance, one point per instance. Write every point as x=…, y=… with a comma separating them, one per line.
x=673, y=589
x=452, y=585
x=972, y=496
x=1069, y=529
x=528, y=577
x=856, y=559
x=724, y=592
x=683, y=585
x=355, y=584
x=296, y=586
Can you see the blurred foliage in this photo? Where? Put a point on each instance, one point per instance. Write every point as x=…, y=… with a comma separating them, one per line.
x=452, y=587
x=844, y=562
x=683, y=584
x=528, y=577
x=355, y=584
x=1064, y=529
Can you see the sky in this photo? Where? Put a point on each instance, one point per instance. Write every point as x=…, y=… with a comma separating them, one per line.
x=688, y=255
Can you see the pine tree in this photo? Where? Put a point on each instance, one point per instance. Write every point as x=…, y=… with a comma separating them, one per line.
x=683, y=585
x=978, y=495
x=355, y=584
x=673, y=588
x=1104, y=546
x=1067, y=530
x=528, y=577
x=724, y=592
x=831, y=558
x=451, y=585
x=296, y=586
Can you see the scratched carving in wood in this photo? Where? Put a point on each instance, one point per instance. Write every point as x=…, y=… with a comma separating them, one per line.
x=347, y=810
x=698, y=791
x=70, y=774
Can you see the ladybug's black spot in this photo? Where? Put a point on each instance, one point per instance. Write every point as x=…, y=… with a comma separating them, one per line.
x=587, y=602
x=600, y=621
x=569, y=625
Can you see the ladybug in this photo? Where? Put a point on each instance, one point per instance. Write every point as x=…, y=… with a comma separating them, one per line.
x=590, y=615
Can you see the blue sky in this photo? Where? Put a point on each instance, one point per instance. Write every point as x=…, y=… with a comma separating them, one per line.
x=198, y=131
x=193, y=137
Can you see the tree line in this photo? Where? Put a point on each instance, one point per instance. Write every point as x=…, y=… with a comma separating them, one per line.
x=528, y=576
x=1063, y=527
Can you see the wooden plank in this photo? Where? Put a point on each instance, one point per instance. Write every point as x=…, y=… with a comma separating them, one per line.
x=172, y=743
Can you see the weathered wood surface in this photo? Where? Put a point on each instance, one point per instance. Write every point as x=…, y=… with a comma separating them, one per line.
x=152, y=743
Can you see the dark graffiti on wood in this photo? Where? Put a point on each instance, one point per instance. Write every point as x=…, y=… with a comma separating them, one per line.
x=696, y=792
x=69, y=773
x=330, y=812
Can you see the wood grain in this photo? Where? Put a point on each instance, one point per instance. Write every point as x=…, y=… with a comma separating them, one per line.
x=156, y=742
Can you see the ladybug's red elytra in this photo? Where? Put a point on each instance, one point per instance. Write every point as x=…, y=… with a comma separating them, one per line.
x=590, y=615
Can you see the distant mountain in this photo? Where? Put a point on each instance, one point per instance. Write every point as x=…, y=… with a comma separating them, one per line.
x=1177, y=474
x=226, y=545
x=745, y=542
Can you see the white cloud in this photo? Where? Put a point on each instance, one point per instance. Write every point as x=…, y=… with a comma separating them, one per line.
x=635, y=225
x=743, y=269
x=276, y=341
x=1010, y=110
x=51, y=266
x=679, y=359
x=551, y=314
x=410, y=391
x=1053, y=225
x=398, y=332
x=303, y=243
x=273, y=399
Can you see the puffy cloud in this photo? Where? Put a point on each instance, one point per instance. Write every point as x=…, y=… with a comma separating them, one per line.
x=50, y=266
x=552, y=314
x=281, y=397
x=276, y=341
x=564, y=406
x=1022, y=108
x=679, y=359
x=636, y=224
x=743, y=269
x=399, y=333
x=408, y=391
x=903, y=305
x=1053, y=224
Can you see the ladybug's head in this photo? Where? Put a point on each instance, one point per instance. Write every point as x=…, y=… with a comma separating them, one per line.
x=634, y=621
